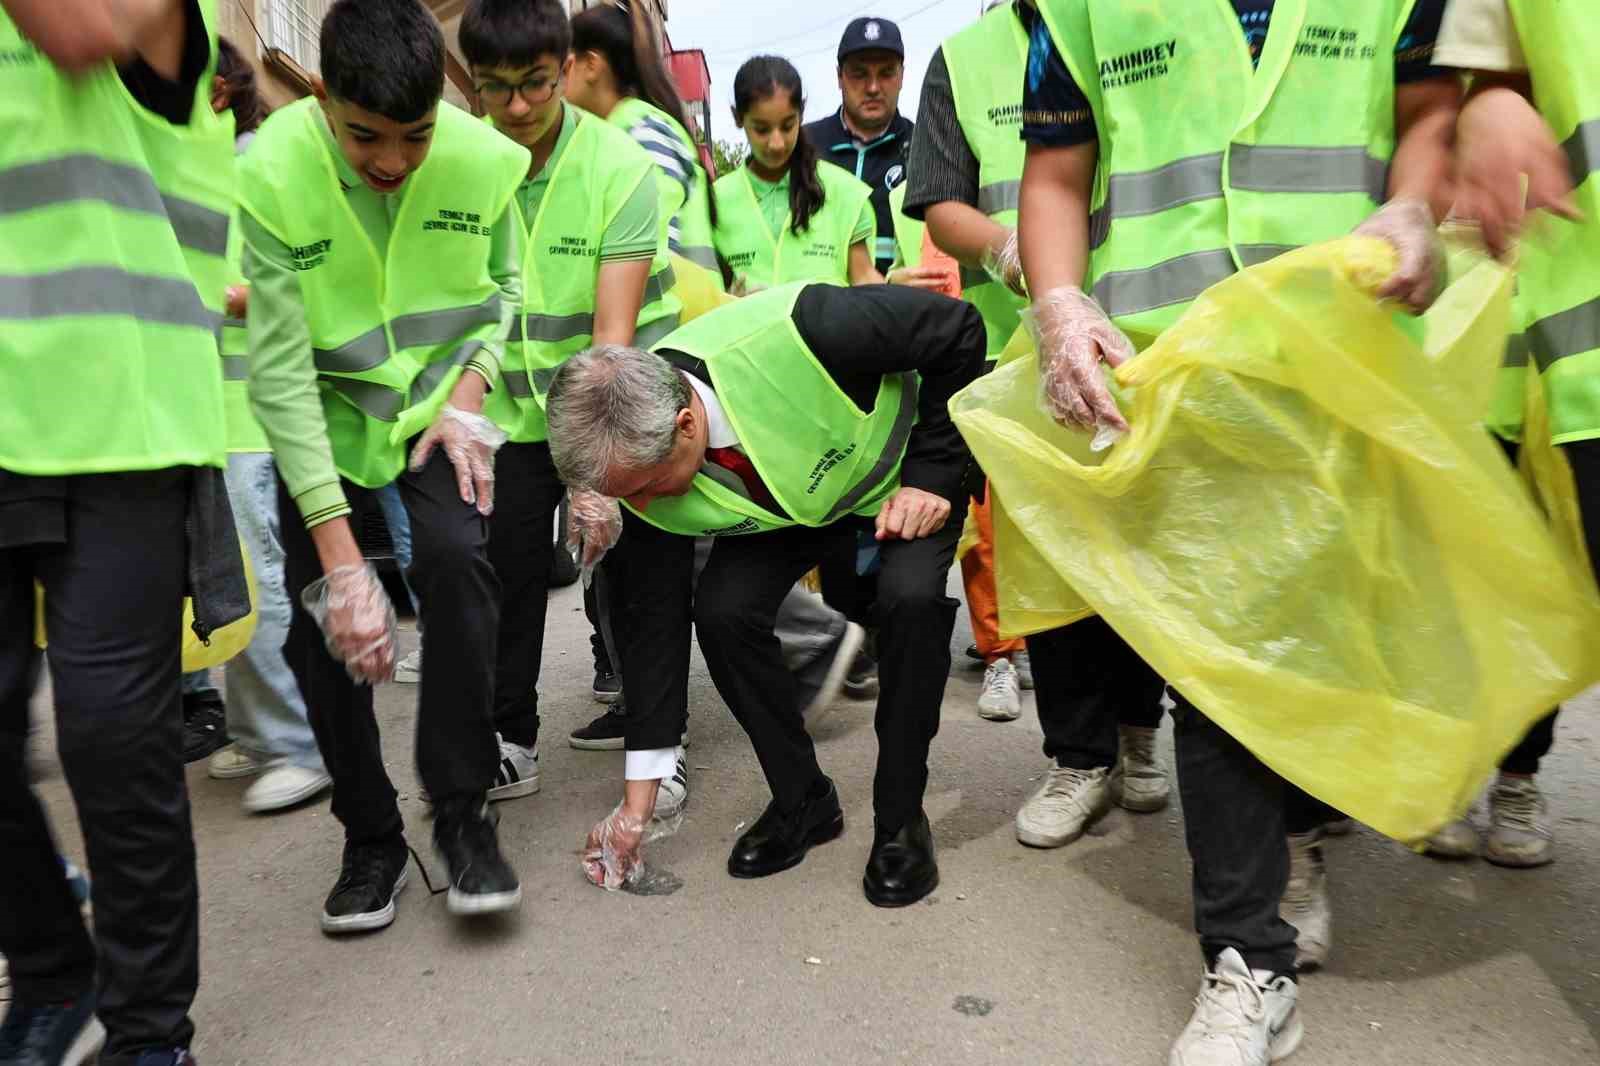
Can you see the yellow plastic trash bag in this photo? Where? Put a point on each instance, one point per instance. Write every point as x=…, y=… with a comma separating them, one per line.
x=1309, y=533
x=696, y=288
x=226, y=642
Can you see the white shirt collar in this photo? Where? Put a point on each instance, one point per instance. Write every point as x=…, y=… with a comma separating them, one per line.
x=719, y=431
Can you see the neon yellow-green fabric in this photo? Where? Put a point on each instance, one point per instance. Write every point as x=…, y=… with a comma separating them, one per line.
x=113, y=238
x=1560, y=267
x=389, y=333
x=694, y=241
x=820, y=253
x=984, y=59
x=244, y=432
x=907, y=231
x=1281, y=533
x=596, y=174
x=820, y=455
x=1254, y=162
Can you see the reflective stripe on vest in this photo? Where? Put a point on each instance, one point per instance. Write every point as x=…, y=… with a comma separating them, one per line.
x=94, y=291
x=1001, y=196
x=522, y=385
x=423, y=329
x=1262, y=157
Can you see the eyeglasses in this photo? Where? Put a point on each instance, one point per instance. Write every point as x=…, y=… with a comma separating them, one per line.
x=534, y=91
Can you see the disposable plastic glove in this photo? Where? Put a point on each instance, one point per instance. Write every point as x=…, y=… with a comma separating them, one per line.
x=469, y=442
x=357, y=620
x=613, y=854
x=594, y=525
x=1408, y=226
x=1075, y=337
x=1004, y=264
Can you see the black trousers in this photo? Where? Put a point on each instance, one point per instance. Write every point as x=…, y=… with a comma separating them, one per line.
x=113, y=593
x=1086, y=682
x=527, y=495
x=456, y=751
x=1584, y=458
x=650, y=574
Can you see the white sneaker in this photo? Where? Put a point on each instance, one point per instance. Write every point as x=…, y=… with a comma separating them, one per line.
x=1139, y=781
x=1240, y=1019
x=844, y=656
x=1305, y=901
x=408, y=671
x=1066, y=804
x=1024, y=665
x=674, y=794
x=1519, y=831
x=285, y=786
x=518, y=773
x=1000, y=701
x=231, y=762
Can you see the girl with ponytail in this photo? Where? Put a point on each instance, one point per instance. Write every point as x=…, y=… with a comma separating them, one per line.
x=618, y=75
x=785, y=215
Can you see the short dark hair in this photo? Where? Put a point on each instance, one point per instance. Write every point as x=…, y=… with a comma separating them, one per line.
x=386, y=56
x=514, y=33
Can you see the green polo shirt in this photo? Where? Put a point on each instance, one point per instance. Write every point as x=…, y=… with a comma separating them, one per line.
x=631, y=235
x=773, y=199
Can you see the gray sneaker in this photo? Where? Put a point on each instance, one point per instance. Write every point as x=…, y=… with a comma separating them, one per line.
x=1000, y=700
x=1139, y=781
x=674, y=793
x=1519, y=830
x=1458, y=840
x=1305, y=901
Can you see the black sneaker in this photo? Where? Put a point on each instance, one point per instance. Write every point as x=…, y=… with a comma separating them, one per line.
x=974, y=654
x=563, y=568
x=607, y=687
x=862, y=680
x=481, y=881
x=370, y=880
x=605, y=733
x=51, y=1034
x=205, y=727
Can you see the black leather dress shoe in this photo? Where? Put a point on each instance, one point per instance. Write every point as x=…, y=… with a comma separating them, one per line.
x=780, y=839
x=901, y=869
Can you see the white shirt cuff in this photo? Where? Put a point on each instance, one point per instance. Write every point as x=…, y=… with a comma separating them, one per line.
x=653, y=765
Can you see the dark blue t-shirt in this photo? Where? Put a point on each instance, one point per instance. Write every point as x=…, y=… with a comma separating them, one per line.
x=1055, y=112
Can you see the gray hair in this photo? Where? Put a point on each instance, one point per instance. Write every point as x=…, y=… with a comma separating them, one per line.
x=612, y=406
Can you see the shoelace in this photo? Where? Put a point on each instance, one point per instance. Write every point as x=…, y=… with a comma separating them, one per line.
x=997, y=678
x=1217, y=1014
x=1065, y=783
x=1518, y=808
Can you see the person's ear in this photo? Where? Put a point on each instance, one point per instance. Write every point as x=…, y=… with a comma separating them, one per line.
x=319, y=89
x=686, y=423
x=566, y=68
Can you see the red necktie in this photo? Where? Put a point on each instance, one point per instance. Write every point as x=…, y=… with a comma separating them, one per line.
x=739, y=463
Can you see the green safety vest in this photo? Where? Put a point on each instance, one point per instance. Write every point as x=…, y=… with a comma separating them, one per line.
x=907, y=231
x=821, y=456
x=596, y=175
x=1559, y=270
x=820, y=253
x=693, y=239
x=1211, y=167
x=113, y=236
x=388, y=336
x=984, y=60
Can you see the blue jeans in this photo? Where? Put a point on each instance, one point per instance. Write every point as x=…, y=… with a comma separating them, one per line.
x=266, y=714
x=399, y=523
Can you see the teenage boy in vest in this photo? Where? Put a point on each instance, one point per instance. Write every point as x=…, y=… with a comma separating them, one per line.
x=1533, y=111
x=702, y=442
x=1301, y=118
x=382, y=249
x=965, y=175
x=117, y=181
x=597, y=272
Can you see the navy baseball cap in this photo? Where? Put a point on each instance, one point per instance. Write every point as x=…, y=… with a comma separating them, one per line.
x=871, y=35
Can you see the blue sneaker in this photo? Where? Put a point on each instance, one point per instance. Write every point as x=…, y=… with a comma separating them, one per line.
x=50, y=1034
